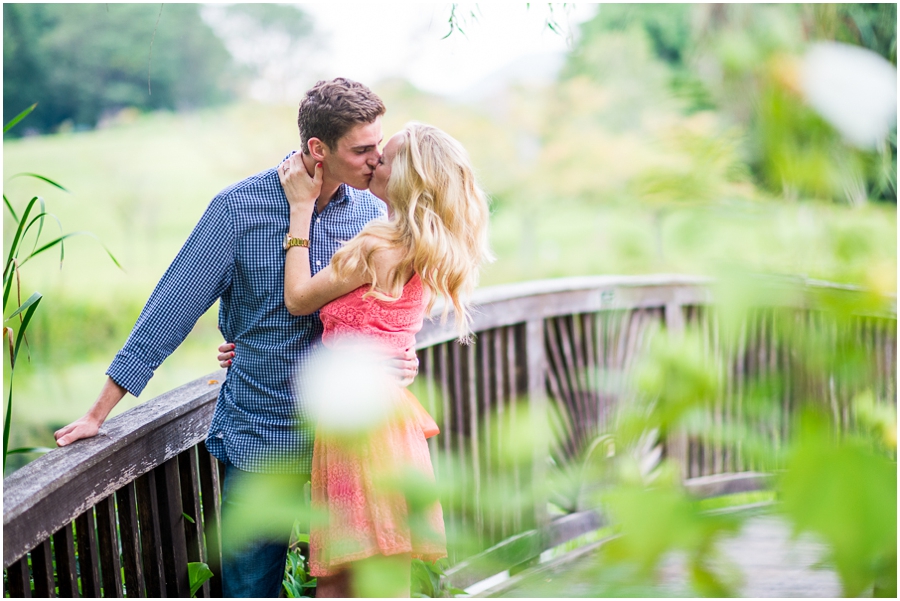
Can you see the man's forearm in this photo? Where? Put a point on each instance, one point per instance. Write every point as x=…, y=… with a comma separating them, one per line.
x=109, y=397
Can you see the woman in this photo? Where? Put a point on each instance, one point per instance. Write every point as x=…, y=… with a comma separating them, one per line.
x=380, y=285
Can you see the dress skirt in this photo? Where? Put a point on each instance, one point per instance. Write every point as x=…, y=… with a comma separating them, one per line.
x=359, y=504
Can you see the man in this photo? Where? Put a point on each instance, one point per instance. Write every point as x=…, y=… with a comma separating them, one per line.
x=236, y=255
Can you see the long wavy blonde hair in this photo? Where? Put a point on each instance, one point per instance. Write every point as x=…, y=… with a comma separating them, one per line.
x=439, y=221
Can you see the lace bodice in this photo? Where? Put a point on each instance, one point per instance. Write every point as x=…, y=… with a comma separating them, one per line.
x=390, y=323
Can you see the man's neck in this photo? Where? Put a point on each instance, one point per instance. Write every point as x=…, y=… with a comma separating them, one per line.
x=329, y=187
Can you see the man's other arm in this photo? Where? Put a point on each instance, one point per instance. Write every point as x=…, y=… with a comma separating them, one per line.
x=197, y=277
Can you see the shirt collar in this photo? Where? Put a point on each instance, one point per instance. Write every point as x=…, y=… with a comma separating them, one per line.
x=342, y=194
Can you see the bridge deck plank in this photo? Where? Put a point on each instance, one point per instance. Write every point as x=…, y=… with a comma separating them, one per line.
x=769, y=562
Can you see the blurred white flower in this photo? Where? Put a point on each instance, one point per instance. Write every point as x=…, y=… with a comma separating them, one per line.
x=347, y=389
x=854, y=89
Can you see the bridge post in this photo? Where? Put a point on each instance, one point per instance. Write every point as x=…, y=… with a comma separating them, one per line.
x=537, y=404
x=676, y=443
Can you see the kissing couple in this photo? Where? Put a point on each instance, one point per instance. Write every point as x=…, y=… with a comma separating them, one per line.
x=344, y=245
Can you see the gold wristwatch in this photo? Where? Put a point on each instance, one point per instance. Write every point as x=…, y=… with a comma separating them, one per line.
x=290, y=241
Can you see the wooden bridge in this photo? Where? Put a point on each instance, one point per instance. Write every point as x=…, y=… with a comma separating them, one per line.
x=122, y=514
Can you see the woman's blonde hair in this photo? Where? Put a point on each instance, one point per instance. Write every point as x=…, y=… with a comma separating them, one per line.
x=439, y=222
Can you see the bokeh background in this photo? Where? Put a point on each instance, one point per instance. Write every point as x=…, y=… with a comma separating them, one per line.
x=612, y=139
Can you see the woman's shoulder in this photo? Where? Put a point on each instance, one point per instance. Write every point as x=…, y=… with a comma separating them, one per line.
x=384, y=255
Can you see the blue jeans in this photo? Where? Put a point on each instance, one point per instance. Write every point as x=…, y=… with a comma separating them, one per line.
x=256, y=569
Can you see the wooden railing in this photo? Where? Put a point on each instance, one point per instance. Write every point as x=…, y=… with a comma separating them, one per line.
x=142, y=498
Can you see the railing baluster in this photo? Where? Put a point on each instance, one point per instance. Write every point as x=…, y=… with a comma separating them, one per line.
x=503, y=397
x=126, y=501
x=569, y=376
x=484, y=374
x=190, y=500
x=171, y=527
x=536, y=374
x=469, y=394
x=86, y=540
x=18, y=578
x=559, y=392
x=151, y=545
x=589, y=342
x=518, y=389
x=42, y=570
x=110, y=566
x=66, y=570
x=429, y=398
x=210, y=498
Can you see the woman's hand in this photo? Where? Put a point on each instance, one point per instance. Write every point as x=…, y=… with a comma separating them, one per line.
x=301, y=190
x=226, y=354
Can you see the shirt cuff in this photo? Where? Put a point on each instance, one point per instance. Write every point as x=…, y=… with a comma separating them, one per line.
x=129, y=372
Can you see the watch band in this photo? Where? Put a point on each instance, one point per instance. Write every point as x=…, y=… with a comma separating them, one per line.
x=290, y=241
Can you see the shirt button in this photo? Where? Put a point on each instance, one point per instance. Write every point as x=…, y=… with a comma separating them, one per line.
x=318, y=263
x=317, y=221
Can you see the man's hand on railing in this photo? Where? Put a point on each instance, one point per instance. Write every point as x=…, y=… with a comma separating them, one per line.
x=89, y=425
x=83, y=427
x=402, y=367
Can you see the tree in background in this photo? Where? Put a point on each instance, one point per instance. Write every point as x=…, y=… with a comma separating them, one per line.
x=273, y=42
x=83, y=62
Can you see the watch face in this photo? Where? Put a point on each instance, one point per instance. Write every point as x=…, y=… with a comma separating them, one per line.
x=285, y=244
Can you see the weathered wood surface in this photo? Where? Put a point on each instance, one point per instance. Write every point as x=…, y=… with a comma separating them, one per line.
x=510, y=304
x=56, y=488
x=770, y=564
x=529, y=544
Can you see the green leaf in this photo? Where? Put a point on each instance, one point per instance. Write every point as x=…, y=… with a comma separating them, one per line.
x=25, y=321
x=30, y=450
x=7, y=288
x=6, y=423
x=14, y=247
x=42, y=178
x=39, y=219
x=31, y=300
x=11, y=210
x=59, y=240
x=18, y=118
x=198, y=573
x=846, y=494
x=188, y=518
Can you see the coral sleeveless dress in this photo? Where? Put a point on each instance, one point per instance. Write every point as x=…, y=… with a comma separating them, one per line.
x=362, y=518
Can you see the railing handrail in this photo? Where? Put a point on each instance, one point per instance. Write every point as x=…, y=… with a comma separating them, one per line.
x=40, y=486
x=493, y=306
x=507, y=304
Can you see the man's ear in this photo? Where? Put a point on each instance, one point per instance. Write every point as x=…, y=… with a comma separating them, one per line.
x=317, y=149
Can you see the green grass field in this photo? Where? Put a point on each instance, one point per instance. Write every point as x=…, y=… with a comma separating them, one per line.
x=141, y=185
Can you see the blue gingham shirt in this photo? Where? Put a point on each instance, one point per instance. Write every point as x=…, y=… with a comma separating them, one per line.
x=235, y=254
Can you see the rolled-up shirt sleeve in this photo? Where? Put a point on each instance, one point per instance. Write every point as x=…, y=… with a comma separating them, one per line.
x=199, y=275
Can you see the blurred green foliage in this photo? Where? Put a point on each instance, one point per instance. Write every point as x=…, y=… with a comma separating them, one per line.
x=732, y=59
x=846, y=494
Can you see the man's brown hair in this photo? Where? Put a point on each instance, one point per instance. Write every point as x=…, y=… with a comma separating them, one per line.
x=331, y=108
